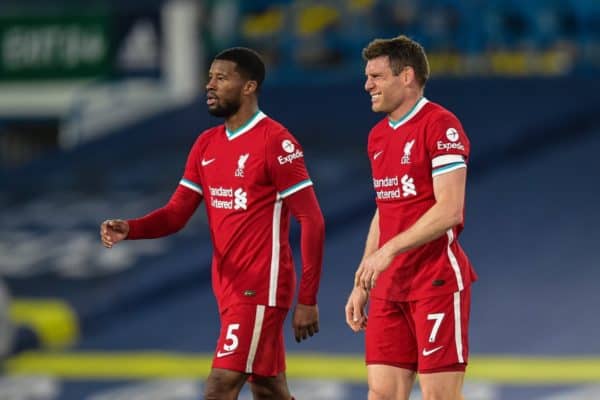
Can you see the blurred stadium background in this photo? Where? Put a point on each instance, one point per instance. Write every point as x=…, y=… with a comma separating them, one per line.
x=100, y=103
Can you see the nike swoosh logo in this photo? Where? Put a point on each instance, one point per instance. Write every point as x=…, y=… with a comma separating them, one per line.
x=206, y=162
x=377, y=154
x=429, y=352
x=225, y=353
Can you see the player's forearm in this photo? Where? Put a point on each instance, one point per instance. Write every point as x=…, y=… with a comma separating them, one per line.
x=156, y=224
x=372, y=242
x=312, y=243
x=166, y=220
x=305, y=208
x=433, y=224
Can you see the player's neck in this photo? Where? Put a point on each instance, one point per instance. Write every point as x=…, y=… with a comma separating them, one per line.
x=240, y=118
x=406, y=106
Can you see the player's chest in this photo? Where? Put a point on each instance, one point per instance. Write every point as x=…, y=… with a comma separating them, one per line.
x=233, y=176
x=400, y=165
x=399, y=153
x=233, y=164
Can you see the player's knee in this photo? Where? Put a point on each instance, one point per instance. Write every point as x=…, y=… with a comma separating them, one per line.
x=221, y=387
x=214, y=392
x=379, y=394
x=261, y=392
x=268, y=392
x=270, y=388
x=388, y=389
x=438, y=393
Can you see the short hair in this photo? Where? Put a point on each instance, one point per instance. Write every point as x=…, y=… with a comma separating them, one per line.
x=249, y=63
x=402, y=52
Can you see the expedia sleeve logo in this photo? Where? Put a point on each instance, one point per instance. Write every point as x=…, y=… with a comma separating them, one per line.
x=453, y=136
x=288, y=146
x=292, y=155
x=449, y=146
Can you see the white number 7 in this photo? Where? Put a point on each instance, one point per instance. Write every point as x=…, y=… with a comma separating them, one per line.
x=438, y=317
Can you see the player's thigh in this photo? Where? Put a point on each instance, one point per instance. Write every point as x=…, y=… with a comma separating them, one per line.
x=442, y=385
x=387, y=382
x=391, y=352
x=390, y=335
x=251, y=340
x=223, y=384
x=270, y=387
x=441, y=325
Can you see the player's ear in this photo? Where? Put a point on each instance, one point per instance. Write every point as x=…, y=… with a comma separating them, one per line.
x=409, y=75
x=250, y=87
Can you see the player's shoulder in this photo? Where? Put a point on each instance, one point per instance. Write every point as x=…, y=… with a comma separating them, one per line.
x=273, y=128
x=276, y=133
x=209, y=134
x=204, y=138
x=439, y=121
x=381, y=125
x=434, y=112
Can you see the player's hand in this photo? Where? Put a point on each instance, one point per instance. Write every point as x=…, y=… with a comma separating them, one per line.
x=113, y=231
x=305, y=321
x=371, y=267
x=356, y=317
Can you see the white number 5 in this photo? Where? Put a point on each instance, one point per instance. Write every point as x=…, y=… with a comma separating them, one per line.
x=438, y=317
x=231, y=336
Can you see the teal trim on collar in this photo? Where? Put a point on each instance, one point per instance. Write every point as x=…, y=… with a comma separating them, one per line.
x=411, y=113
x=259, y=115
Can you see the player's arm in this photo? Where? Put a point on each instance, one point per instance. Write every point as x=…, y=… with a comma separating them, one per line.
x=356, y=316
x=161, y=222
x=294, y=186
x=305, y=208
x=447, y=212
x=166, y=220
x=372, y=237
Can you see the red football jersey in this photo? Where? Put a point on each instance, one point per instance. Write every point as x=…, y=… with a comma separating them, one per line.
x=244, y=176
x=405, y=155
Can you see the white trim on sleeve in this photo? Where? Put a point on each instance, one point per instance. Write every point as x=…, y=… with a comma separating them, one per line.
x=446, y=159
x=191, y=185
x=295, y=188
x=448, y=168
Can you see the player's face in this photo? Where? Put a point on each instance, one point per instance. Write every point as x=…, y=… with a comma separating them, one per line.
x=223, y=89
x=385, y=88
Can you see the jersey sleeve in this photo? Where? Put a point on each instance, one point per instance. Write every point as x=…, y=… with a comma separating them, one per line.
x=179, y=209
x=305, y=208
x=285, y=161
x=289, y=175
x=191, y=176
x=447, y=144
x=166, y=220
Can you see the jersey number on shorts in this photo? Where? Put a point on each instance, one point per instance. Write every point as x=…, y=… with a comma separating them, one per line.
x=231, y=336
x=438, y=317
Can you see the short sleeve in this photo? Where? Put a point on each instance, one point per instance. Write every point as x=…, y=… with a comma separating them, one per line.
x=191, y=175
x=447, y=144
x=285, y=160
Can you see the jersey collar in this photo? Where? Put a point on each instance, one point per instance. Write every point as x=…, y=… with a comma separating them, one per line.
x=251, y=123
x=408, y=116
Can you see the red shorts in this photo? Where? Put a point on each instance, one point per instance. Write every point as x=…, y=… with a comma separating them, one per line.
x=427, y=335
x=251, y=340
